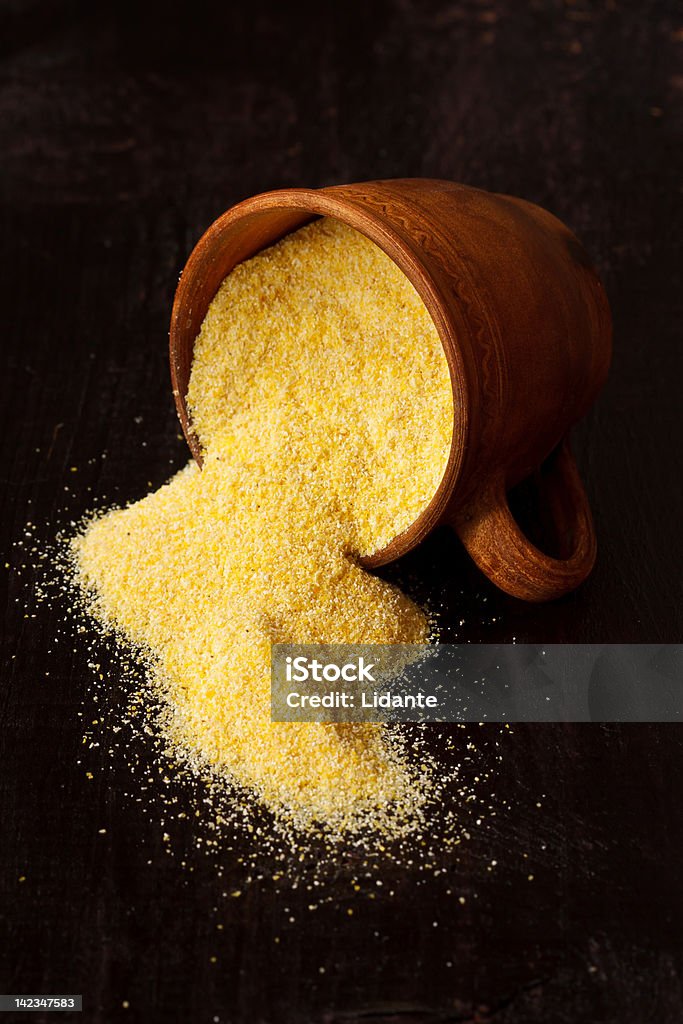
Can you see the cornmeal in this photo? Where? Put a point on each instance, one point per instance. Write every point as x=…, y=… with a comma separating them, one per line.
x=321, y=397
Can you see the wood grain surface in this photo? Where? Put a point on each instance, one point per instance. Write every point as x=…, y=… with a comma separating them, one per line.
x=125, y=129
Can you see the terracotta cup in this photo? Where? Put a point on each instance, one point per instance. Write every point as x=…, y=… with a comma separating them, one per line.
x=525, y=327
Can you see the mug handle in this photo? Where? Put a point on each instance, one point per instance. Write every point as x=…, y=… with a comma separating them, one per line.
x=500, y=549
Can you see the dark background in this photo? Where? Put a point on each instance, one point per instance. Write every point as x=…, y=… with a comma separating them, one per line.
x=125, y=129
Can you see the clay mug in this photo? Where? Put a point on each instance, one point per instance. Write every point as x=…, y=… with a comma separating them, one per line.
x=526, y=330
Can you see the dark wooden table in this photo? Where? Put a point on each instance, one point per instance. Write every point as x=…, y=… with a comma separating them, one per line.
x=124, y=130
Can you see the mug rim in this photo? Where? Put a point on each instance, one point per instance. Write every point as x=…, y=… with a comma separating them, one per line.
x=332, y=202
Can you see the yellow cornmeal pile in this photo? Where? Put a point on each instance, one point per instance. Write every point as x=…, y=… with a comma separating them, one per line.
x=321, y=397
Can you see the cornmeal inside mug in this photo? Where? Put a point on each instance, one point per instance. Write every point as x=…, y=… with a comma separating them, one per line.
x=321, y=397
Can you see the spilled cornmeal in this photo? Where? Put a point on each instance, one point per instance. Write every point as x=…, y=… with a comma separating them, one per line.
x=321, y=397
